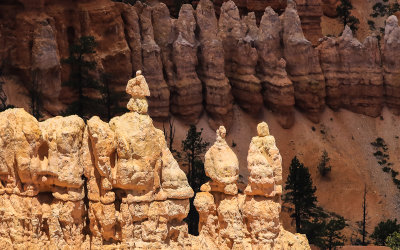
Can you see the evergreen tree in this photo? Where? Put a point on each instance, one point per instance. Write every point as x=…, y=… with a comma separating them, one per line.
x=3, y=97
x=332, y=235
x=109, y=98
x=323, y=166
x=393, y=241
x=344, y=14
x=300, y=193
x=193, y=148
x=35, y=96
x=384, y=9
x=81, y=78
x=383, y=230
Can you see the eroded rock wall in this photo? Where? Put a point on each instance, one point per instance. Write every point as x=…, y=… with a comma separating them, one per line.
x=199, y=63
x=65, y=184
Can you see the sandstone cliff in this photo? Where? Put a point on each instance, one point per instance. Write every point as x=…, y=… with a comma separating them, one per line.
x=70, y=185
x=197, y=62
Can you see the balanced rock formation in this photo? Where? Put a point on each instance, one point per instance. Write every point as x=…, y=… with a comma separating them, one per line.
x=353, y=73
x=240, y=58
x=303, y=65
x=391, y=64
x=229, y=220
x=278, y=91
x=218, y=96
x=116, y=185
x=186, y=88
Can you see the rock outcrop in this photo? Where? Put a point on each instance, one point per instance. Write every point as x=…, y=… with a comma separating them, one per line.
x=229, y=220
x=391, y=64
x=218, y=96
x=303, y=65
x=197, y=62
x=278, y=91
x=67, y=185
x=240, y=57
x=186, y=89
x=353, y=73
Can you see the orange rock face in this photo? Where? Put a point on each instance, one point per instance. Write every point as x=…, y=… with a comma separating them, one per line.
x=65, y=184
x=353, y=73
x=198, y=63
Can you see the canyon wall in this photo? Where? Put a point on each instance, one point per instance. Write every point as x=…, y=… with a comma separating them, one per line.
x=65, y=184
x=199, y=63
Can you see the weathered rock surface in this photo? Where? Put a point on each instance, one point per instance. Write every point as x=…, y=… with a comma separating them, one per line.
x=218, y=96
x=197, y=62
x=67, y=185
x=251, y=220
x=391, y=64
x=240, y=57
x=303, y=65
x=278, y=91
x=353, y=73
x=186, y=89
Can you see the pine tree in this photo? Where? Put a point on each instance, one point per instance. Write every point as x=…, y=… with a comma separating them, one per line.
x=81, y=77
x=193, y=148
x=3, y=96
x=323, y=166
x=383, y=230
x=300, y=193
x=35, y=96
x=109, y=98
x=332, y=235
x=344, y=14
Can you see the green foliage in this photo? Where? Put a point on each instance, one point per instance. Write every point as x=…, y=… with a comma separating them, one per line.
x=383, y=230
x=383, y=159
x=323, y=166
x=344, y=13
x=193, y=148
x=322, y=228
x=300, y=193
x=81, y=76
x=384, y=9
x=109, y=98
x=333, y=237
x=3, y=97
x=393, y=241
x=35, y=96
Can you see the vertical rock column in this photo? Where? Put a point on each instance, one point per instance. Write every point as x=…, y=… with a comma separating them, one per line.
x=152, y=68
x=186, y=88
x=240, y=58
x=220, y=223
x=391, y=64
x=278, y=91
x=218, y=96
x=302, y=65
x=138, y=194
x=353, y=73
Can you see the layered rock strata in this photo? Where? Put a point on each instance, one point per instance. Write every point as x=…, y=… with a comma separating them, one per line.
x=240, y=57
x=186, y=89
x=197, y=63
x=116, y=185
x=278, y=90
x=218, y=96
x=229, y=220
x=302, y=65
x=353, y=73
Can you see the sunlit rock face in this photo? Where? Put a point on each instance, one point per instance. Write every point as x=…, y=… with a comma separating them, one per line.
x=206, y=59
x=67, y=184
